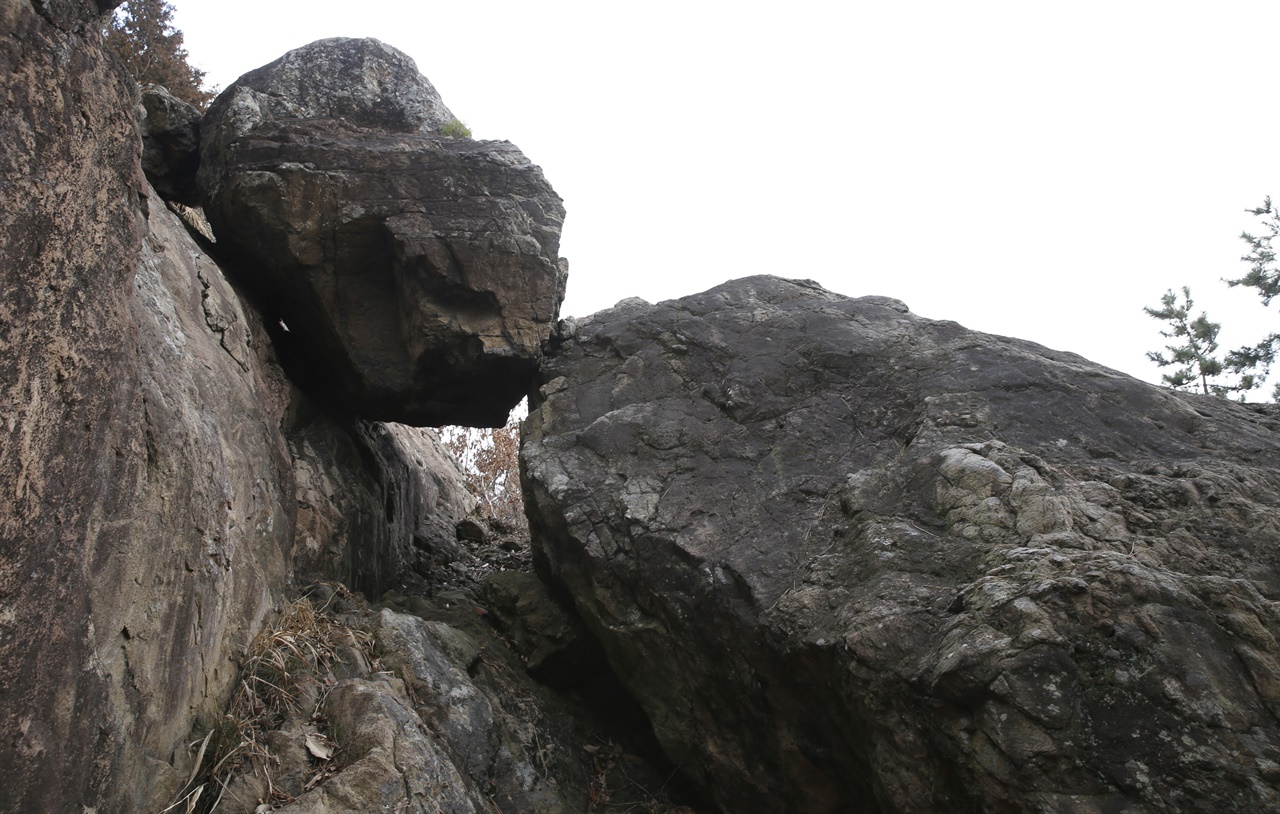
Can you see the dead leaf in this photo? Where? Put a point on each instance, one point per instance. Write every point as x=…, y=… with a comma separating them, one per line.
x=319, y=745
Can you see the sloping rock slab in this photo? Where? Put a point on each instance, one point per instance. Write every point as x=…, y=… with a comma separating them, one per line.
x=852, y=559
x=141, y=473
x=417, y=274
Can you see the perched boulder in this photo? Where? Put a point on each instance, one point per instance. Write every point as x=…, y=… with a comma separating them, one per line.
x=417, y=274
x=362, y=82
x=170, y=144
x=849, y=559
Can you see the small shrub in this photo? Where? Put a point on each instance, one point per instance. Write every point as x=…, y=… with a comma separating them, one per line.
x=455, y=128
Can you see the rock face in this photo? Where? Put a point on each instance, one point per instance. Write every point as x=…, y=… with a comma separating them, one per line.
x=852, y=559
x=419, y=273
x=68, y=135
x=428, y=711
x=374, y=501
x=150, y=451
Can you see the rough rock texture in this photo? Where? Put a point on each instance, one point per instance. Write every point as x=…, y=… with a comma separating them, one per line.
x=148, y=449
x=852, y=559
x=417, y=274
x=441, y=717
x=71, y=226
x=375, y=501
x=170, y=144
x=362, y=81
x=549, y=639
x=143, y=538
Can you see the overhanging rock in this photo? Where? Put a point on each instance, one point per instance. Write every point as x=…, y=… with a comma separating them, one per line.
x=417, y=274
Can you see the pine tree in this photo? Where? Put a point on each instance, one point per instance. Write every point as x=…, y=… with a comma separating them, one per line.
x=1263, y=275
x=142, y=36
x=1193, y=356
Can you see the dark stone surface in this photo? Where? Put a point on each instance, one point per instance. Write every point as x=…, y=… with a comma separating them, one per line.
x=373, y=499
x=549, y=639
x=418, y=275
x=170, y=144
x=852, y=559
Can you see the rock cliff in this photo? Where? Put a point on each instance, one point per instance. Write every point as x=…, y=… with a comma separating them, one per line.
x=852, y=559
x=167, y=485
x=841, y=557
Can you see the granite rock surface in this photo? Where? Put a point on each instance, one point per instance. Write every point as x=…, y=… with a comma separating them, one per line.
x=848, y=558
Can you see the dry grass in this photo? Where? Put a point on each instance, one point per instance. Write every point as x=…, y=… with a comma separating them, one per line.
x=282, y=669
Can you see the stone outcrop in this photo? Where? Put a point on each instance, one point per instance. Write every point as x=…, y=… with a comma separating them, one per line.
x=164, y=480
x=68, y=215
x=852, y=559
x=844, y=558
x=427, y=710
x=418, y=274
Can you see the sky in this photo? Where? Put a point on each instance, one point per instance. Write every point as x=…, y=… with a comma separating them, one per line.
x=1039, y=170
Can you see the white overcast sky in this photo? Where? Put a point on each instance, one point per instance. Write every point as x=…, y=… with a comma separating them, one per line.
x=1034, y=169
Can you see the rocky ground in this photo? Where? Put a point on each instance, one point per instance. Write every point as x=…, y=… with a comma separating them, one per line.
x=467, y=688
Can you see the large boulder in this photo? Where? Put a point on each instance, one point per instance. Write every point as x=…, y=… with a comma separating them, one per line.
x=849, y=559
x=417, y=274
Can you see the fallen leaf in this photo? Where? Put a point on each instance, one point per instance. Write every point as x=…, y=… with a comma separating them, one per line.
x=319, y=746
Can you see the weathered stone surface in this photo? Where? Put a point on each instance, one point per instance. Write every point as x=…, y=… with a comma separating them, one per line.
x=448, y=723
x=548, y=638
x=417, y=274
x=147, y=452
x=170, y=144
x=194, y=545
x=146, y=527
x=852, y=559
x=392, y=760
x=491, y=724
x=374, y=500
x=361, y=81
x=70, y=227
